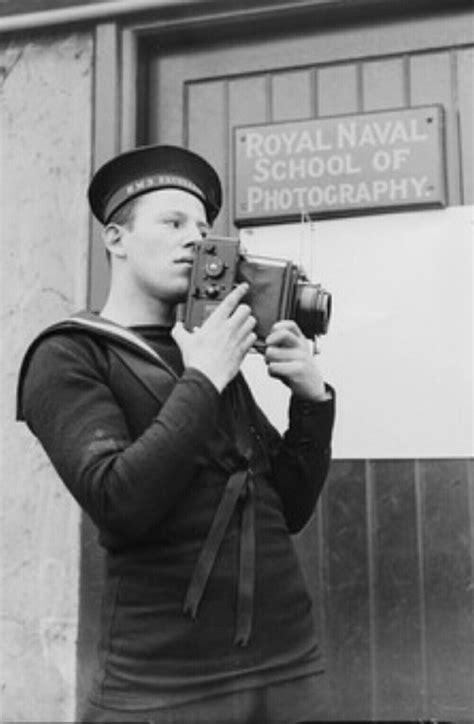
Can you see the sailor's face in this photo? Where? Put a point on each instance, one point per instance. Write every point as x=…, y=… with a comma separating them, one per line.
x=160, y=244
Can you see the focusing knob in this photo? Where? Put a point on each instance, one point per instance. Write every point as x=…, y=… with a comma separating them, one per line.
x=212, y=291
x=215, y=268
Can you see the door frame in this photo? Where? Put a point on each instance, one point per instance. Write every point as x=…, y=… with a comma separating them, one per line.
x=119, y=79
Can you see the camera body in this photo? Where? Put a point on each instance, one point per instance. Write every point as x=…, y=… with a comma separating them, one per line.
x=277, y=289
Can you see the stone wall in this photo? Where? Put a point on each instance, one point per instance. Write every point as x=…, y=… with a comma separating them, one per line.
x=45, y=166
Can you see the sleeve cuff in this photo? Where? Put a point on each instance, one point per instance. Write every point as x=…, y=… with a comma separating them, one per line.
x=192, y=374
x=312, y=422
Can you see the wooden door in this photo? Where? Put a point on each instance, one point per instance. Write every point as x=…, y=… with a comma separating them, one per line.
x=388, y=555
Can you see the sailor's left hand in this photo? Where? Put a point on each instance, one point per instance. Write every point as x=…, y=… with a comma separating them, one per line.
x=289, y=358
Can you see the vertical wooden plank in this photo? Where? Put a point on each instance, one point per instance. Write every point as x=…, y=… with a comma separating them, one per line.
x=431, y=82
x=248, y=103
x=292, y=95
x=338, y=90
x=106, y=143
x=206, y=132
x=248, y=100
x=309, y=549
x=448, y=588
x=106, y=93
x=347, y=589
x=397, y=607
x=422, y=585
x=109, y=109
x=394, y=606
x=166, y=104
x=470, y=485
x=383, y=85
x=91, y=574
x=106, y=135
x=371, y=568
x=465, y=94
x=345, y=510
x=131, y=88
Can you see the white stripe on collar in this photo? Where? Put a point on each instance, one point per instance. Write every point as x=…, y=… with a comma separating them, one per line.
x=117, y=331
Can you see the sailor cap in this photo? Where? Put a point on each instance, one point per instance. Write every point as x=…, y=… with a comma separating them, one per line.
x=149, y=168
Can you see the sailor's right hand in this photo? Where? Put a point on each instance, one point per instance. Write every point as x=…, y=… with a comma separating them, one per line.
x=219, y=346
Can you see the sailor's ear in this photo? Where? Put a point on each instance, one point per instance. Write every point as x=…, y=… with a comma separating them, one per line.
x=113, y=236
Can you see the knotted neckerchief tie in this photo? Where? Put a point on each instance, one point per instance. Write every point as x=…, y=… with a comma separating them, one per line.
x=240, y=486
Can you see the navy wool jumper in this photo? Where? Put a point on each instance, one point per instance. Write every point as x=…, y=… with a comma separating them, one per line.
x=195, y=496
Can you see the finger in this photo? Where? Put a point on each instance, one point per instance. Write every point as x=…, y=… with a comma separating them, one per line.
x=240, y=316
x=231, y=301
x=282, y=369
x=282, y=337
x=282, y=354
x=248, y=343
x=288, y=324
x=245, y=328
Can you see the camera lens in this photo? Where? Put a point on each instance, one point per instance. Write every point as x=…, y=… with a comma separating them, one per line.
x=312, y=309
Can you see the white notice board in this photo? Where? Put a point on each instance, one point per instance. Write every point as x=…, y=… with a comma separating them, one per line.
x=400, y=346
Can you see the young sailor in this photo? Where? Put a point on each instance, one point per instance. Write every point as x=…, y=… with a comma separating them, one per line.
x=153, y=430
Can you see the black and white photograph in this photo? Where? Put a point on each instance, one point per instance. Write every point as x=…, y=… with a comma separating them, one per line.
x=237, y=347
